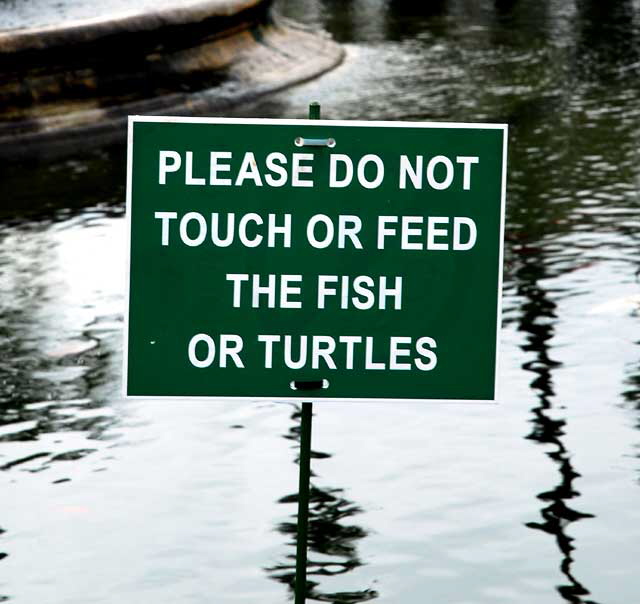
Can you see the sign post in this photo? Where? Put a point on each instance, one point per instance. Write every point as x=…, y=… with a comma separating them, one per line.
x=304, y=470
x=303, y=503
x=269, y=259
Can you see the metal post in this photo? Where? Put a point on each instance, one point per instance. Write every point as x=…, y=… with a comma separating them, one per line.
x=303, y=502
x=314, y=111
x=305, y=473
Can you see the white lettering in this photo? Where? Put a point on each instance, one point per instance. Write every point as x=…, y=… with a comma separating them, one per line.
x=215, y=167
x=268, y=349
x=242, y=230
x=248, y=170
x=433, y=232
x=458, y=221
x=466, y=162
x=237, y=279
x=406, y=169
x=360, y=290
x=383, y=231
x=349, y=226
x=165, y=166
x=407, y=232
x=362, y=165
x=287, y=290
x=323, y=290
x=396, y=352
x=369, y=363
x=165, y=217
x=211, y=350
x=268, y=290
x=189, y=178
x=272, y=158
x=302, y=356
x=215, y=230
x=431, y=167
x=184, y=229
x=231, y=346
x=284, y=230
x=299, y=169
x=334, y=181
x=395, y=293
x=322, y=348
x=421, y=348
x=350, y=342
x=311, y=234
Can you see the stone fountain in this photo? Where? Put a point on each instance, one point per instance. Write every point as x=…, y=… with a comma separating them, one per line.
x=70, y=76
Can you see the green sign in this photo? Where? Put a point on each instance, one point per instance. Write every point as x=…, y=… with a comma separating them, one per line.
x=266, y=254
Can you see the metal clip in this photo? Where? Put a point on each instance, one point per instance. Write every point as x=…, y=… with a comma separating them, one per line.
x=315, y=142
x=309, y=385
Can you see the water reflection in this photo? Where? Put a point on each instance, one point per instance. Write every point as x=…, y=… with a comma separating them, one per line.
x=347, y=20
x=406, y=19
x=3, y=555
x=332, y=545
x=56, y=349
x=409, y=8
x=538, y=318
x=526, y=24
x=52, y=366
x=505, y=7
x=52, y=396
x=631, y=394
x=606, y=40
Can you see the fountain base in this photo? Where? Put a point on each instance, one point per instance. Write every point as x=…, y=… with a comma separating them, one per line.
x=66, y=88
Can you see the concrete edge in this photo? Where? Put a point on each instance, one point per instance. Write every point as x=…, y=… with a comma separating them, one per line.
x=72, y=133
x=90, y=30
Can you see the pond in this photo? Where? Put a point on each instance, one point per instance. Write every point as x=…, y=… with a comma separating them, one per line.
x=535, y=500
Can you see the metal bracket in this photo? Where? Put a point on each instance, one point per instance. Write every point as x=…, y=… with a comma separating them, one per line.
x=309, y=385
x=315, y=142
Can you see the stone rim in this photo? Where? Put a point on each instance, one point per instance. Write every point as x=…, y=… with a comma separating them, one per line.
x=89, y=30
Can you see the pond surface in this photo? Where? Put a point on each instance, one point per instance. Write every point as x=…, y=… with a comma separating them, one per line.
x=535, y=500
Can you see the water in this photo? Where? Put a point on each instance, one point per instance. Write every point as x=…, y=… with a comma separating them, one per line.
x=534, y=501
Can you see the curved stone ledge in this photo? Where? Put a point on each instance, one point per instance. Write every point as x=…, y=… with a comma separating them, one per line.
x=92, y=30
x=73, y=87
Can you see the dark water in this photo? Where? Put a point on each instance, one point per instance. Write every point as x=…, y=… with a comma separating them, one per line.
x=534, y=501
